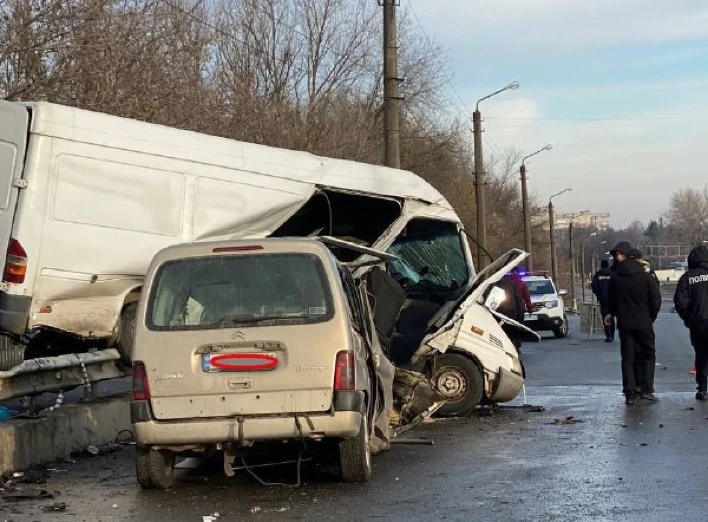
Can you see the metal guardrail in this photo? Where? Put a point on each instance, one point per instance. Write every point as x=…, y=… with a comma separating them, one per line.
x=61, y=373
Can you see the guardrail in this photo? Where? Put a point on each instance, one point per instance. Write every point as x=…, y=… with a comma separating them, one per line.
x=60, y=373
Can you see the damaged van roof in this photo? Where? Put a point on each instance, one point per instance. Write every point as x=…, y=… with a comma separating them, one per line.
x=113, y=131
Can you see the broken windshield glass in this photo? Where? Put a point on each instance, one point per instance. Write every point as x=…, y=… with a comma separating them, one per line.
x=432, y=257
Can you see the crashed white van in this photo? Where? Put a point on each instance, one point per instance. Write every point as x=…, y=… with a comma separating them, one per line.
x=87, y=200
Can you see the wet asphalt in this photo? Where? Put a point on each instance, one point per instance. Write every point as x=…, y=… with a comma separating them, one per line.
x=646, y=462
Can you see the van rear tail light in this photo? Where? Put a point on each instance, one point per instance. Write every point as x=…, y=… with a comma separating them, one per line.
x=344, y=375
x=16, y=263
x=141, y=386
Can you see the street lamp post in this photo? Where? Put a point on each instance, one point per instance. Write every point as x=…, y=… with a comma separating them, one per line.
x=525, y=204
x=552, y=227
x=479, y=176
x=582, y=264
x=572, y=259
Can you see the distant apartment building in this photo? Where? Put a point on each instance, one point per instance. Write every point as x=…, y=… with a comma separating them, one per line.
x=594, y=220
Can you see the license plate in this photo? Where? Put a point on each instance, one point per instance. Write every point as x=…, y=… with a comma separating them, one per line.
x=531, y=317
x=238, y=362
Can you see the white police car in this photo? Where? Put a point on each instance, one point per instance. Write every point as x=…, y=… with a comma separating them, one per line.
x=548, y=306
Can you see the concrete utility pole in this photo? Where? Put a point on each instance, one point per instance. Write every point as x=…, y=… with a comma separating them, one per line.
x=479, y=176
x=525, y=204
x=572, y=265
x=552, y=227
x=392, y=97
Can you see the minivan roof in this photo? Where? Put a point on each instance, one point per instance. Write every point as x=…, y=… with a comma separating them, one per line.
x=243, y=246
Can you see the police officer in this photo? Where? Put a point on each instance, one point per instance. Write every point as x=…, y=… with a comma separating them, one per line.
x=635, y=299
x=601, y=286
x=691, y=301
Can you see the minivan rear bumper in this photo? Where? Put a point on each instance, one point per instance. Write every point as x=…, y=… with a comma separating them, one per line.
x=14, y=312
x=342, y=424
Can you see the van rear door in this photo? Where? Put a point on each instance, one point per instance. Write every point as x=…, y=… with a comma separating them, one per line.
x=14, y=123
x=244, y=333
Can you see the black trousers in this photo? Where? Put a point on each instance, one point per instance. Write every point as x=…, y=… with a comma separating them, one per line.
x=609, y=330
x=699, y=340
x=638, y=360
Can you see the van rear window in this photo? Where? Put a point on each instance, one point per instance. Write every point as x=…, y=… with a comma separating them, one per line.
x=239, y=291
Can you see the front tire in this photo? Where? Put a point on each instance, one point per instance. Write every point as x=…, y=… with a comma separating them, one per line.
x=355, y=455
x=562, y=330
x=460, y=381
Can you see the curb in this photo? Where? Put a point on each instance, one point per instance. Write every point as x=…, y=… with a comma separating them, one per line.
x=30, y=442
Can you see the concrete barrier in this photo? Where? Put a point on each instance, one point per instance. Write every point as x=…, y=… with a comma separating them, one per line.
x=590, y=319
x=30, y=442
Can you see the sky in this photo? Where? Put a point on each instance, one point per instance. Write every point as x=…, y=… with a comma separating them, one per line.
x=619, y=87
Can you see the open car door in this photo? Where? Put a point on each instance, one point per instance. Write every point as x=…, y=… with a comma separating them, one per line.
x=449, y=314
x=410, y=392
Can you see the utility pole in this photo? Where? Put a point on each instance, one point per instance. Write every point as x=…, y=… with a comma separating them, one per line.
x=554, y=260
x=572, y=264
x=392, y=96
x=582, y=268
x=552, y=228
x=479, y=189
x=527, y=218
x=479, y=176
x=525, y=203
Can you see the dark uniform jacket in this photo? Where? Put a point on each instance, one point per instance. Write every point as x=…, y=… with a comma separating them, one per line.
x=634, y=296
x=691, y=297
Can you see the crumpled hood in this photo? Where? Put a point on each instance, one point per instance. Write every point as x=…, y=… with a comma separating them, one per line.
x=629, y=268
x=698, y=258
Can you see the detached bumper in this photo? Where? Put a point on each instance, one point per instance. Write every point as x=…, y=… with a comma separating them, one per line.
x=344, y=425
x=507, y=386
x=543, y=322
x=14, y=312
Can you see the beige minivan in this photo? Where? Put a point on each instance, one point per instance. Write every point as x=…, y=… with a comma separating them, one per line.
x=240, y=342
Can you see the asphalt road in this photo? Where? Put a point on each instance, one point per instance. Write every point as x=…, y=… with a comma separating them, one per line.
x=645, y=462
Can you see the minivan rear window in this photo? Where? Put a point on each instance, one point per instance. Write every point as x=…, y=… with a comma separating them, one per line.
x=239, y=291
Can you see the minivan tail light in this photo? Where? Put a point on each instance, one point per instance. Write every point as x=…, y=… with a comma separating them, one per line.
x=16, y=263
x=141, y=386
x=344, y=378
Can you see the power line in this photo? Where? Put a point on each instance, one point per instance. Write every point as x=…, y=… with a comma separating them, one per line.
x=448, y=78
x=611, y=118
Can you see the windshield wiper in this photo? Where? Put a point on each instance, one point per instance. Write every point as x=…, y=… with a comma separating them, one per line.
x=237, y=320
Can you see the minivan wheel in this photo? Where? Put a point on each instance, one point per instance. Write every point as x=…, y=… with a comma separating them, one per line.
x=562, y=330
x=355, y=455
x=11, y=353
x=126, y=332
x=460, y=381
x=154, y=468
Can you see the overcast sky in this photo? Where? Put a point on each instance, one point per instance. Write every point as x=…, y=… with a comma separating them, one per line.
x=619, y=87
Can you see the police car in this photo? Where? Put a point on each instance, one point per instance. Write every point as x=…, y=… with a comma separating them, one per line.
x=548, y=306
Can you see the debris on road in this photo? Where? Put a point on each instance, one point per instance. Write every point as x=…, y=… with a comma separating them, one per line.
x=568, y=420
x=26, y=494
x=58, y=506
x=421, y=441
x=530, y=408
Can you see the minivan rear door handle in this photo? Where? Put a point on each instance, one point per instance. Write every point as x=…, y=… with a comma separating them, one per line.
x=240, y=384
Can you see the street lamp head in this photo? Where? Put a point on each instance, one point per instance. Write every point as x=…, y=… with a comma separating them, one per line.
x=512, y=86
x=548, y=147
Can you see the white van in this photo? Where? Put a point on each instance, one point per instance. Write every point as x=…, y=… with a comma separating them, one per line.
x=87, y=200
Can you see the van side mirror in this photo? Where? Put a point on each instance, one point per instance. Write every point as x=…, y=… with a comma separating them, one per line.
x=562, y=292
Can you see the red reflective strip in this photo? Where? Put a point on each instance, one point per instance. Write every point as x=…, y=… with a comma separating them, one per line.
x=269, y=361
x=237, y=249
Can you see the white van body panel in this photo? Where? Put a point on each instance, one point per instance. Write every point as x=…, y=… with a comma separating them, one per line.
x=122, y=190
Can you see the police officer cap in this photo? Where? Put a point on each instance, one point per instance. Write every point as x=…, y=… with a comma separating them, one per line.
x=623, y=247
x=634, y=253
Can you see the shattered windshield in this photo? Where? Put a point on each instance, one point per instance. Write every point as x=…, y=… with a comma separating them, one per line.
x=239, y=291
x=432, y=257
